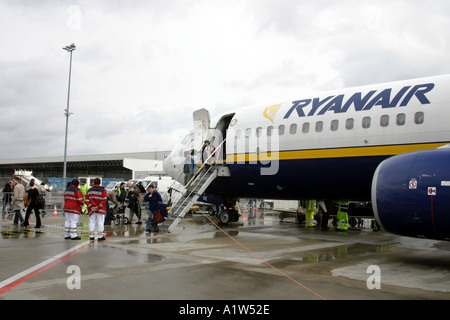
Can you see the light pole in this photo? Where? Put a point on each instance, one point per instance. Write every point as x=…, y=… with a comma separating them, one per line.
x=69, y=49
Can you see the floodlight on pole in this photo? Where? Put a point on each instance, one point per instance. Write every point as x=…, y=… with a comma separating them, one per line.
x=69, y=49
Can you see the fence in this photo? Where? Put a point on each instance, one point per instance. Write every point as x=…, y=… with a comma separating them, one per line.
x=52, y=198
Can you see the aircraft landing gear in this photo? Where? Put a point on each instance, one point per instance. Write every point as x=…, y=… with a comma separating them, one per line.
x=375, y=226
x=230, y=214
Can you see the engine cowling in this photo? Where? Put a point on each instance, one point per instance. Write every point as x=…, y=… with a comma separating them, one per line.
x=411, y=194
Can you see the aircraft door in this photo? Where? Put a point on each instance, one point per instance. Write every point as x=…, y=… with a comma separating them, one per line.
x=220, y=134
x=201, y=127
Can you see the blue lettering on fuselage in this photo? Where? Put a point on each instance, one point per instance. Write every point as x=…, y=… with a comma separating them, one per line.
x=360, y=101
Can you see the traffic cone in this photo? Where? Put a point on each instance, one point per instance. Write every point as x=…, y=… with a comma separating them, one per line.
x=55, y=212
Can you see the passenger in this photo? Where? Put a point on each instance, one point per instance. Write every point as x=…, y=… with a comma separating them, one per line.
x=153, y=197
x=134, y=199
x=7, y=190
x=96, y=198
x=17, y=200
x=43, y=192
x=73, y=203
x=141, y=187
x=207, y=150
x=189, y=166
x=33, y=194
x=112, y=196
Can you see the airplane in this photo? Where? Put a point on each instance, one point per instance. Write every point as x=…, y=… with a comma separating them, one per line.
x=387, y=144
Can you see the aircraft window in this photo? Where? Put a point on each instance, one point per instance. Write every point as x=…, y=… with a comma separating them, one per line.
x=269, y=131
x=305, y=127
x=384, y=120
x=334, y=125
x=366, y=122
x=401, y=119
x=419, y=117
x=248, y=133
x=319, y=126
x=281, y=130
x=293, y=128
x=258, y=131
x=349, y=123
x=238, y=133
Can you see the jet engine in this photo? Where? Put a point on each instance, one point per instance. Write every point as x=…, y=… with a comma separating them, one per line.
x=411, y=194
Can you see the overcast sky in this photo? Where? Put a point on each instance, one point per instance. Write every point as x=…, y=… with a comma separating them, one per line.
x=142, y=67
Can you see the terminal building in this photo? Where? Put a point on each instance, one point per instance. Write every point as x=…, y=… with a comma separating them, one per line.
x=119, y=166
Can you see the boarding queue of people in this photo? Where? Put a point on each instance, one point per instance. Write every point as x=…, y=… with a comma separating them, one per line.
x=17, y=199
x=98, y=206
x=94, y=201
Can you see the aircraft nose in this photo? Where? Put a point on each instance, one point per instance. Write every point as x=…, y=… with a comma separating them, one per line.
x=169, y=167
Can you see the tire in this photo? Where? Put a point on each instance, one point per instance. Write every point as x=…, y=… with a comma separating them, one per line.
x=352, y=222
x=125, y=220
x=224, y=217
x=375, y=226
x=117, y=221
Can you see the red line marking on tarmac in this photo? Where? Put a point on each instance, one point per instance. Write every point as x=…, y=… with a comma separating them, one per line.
x=264, y=261
x=19, y=278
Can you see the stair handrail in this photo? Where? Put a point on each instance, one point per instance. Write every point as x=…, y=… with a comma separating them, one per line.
x=197, y=174
x=203, y=164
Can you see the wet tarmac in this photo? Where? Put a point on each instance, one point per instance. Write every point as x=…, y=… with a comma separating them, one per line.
x=258, y=258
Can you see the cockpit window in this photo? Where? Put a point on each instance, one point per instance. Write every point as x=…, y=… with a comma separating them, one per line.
x=187, y=139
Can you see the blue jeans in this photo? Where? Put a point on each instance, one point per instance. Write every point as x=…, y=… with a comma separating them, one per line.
x=17, y=217
x=150, y=221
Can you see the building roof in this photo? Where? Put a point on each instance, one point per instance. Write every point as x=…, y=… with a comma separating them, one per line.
x=154, y=155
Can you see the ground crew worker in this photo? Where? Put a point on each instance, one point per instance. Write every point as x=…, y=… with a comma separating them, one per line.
x=95, y=200
x=311, y=207
x=73, y=202
x=342, y=215
x=122, y=193
x=83, y=189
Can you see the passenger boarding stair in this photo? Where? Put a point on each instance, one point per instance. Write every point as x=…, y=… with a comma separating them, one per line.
x=184, y=198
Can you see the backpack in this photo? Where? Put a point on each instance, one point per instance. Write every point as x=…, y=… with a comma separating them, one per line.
x=39, y=201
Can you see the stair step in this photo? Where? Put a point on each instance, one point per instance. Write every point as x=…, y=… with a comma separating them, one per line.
x=184, y=203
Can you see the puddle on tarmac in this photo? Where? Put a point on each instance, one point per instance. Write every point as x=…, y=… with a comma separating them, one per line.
x=16, y=233
x=331, y=254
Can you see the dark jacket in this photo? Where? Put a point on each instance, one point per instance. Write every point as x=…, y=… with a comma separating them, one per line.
x=153, y=200
x=33, y=194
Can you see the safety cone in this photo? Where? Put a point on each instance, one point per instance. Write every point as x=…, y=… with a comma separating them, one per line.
x=55, y=212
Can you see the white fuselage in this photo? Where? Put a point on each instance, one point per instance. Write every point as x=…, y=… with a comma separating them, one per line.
x=324, y=145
